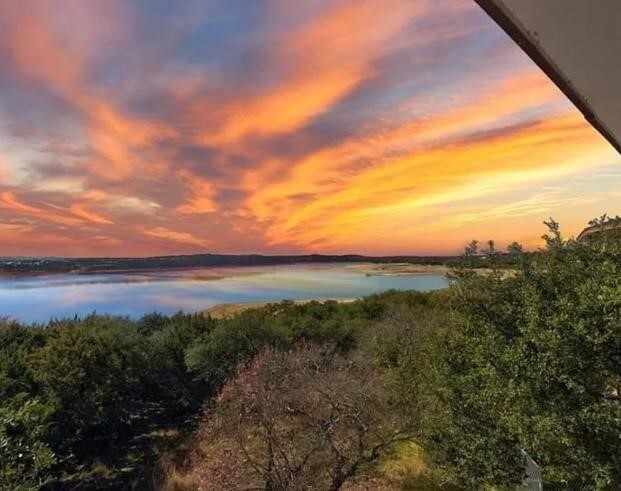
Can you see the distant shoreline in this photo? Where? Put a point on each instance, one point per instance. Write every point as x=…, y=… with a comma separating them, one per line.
x=15, y=267
x=397, y=269
x=9, y=275
x=229, y=309
x=368, y=268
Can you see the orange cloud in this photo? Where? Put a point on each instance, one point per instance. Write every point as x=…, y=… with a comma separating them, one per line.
x=202, y=198
x=10, y=203
x=324, y=60
x=275, y=187
x=5, y=175
x=338, y=207
x=90, y=216
x=41, y=55
x=37, y=53
x=175, y=236
x=17, y=238
x=320, y=172
x=521, y=91
x=118, y=137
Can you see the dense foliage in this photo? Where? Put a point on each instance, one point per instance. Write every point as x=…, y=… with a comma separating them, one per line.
x=532, y=363
x=83, y=391
x=502, y=364
x=76, y=389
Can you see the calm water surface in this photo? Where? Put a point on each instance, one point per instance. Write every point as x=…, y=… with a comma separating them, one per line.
x=39, y=298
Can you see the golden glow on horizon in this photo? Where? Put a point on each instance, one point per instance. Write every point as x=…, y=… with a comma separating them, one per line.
x=349, y=126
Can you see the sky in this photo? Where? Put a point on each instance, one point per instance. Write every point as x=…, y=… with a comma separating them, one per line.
x=151, y=127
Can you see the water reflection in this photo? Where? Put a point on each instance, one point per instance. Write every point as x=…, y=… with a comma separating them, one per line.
x=38, y=298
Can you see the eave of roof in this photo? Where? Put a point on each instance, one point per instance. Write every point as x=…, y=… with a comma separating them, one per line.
x=496, y=12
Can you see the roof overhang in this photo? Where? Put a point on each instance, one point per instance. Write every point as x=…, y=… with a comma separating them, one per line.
x=577, y=43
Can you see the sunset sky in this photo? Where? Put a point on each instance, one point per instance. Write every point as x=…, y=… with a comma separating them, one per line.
x=153, y=127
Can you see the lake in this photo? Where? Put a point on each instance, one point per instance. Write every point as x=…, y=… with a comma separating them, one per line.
x=39, y=298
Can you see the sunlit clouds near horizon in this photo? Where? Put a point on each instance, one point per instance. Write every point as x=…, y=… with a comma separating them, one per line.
x=376, y=127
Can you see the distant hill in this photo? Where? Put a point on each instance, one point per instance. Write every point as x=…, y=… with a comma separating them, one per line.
x=106, y=264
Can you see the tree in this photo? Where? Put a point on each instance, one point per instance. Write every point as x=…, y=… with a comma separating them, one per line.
x=472, y=248
x=177, y=390
x=96, y=371
x=490, y=250
x=301, y=419
x=515, y=248
x=533, y=362
x=235, y=340
x=604, y=221
x=214, y=357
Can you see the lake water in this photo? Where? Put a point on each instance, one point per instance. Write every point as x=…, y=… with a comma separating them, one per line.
x=39, y=298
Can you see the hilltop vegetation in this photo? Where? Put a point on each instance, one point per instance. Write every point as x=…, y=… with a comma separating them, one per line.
x=402, y=390
x=12, y=266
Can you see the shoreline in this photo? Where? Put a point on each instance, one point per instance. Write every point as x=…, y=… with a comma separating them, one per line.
x=219, y=271
x=397, y=269
x=226, y=309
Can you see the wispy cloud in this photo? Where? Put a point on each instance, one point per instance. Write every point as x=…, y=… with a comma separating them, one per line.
x=175, y=236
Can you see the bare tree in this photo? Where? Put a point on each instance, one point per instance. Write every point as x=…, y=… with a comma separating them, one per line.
x=303, y=419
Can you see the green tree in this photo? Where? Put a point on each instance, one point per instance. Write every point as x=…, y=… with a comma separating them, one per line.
x=176, y=388
x=533, y=362
x=97, y=373
x=25, y=457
